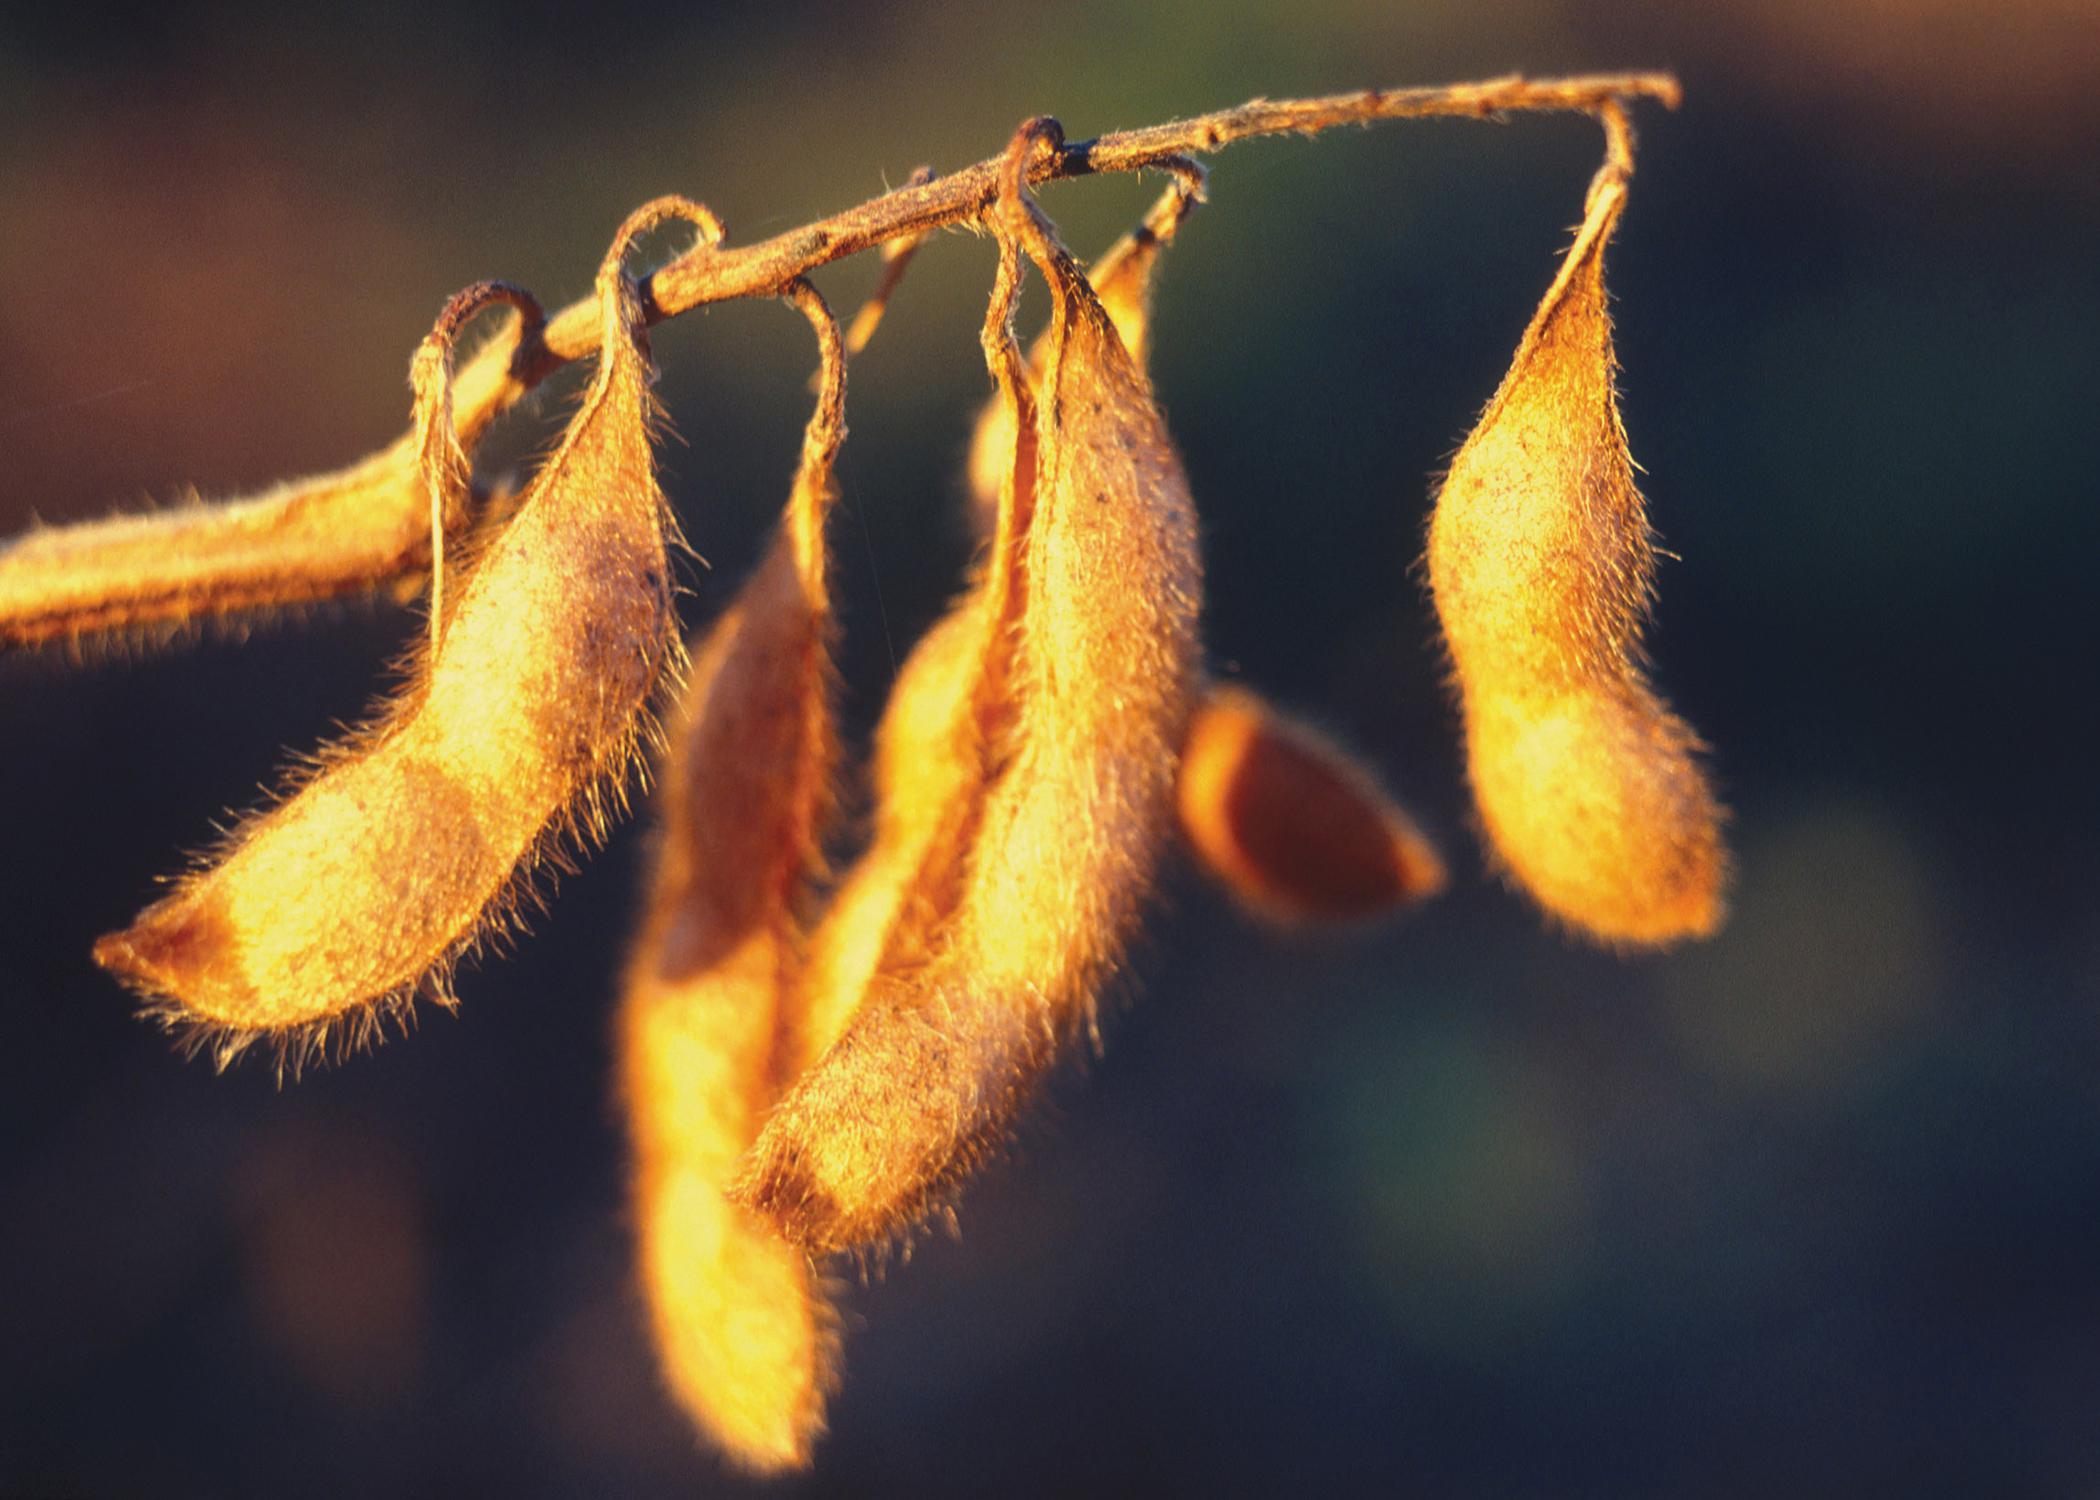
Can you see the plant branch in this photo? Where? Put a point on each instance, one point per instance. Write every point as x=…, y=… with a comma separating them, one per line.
x=719, y=275
x=362, y=527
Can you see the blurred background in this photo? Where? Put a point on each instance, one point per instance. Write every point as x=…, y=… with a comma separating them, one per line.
x=1455, y=1207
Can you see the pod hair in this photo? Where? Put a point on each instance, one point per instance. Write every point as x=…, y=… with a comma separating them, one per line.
x=1541, y=563
x=945, y=1050
x=517, y=729
x=742, y=1320
x=1293, y=827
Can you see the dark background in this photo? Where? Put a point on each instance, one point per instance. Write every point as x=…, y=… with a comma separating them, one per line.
x=1452, y=1208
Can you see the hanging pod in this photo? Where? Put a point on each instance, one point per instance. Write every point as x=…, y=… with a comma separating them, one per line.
x=1542, y=565
x=1296, y=829
x=517, y=728
x=1292, y=826
x=742, y=1320
x=946, y=1046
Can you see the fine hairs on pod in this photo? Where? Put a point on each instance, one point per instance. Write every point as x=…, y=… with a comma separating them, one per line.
x=711, y=1017
x=942, y=717
x=1541, y=562
x=943, y=1052
x=406, y=842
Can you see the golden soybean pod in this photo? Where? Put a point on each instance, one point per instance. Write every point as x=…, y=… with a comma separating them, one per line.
x=742, y=1320
x=1286, y=821
x=1542, y=565
x=336, y=907
x=931, y=1071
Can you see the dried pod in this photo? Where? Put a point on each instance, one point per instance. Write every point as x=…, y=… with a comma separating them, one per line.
x=1293, y=826
x=1122, y=280
x=360, y=890
x=1542, y=565
x=930, y=1072
x=743, y=1324
x=303, y=542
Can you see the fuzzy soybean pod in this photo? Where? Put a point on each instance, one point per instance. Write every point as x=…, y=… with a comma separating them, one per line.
x=743, y=1323
x=517, y=729
x=931, y=1071
x=1296, y=829
x=1541, y=562
x=723, y=1006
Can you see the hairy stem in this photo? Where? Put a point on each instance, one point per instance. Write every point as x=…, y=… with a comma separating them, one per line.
x=364, y=526
x=720, y=275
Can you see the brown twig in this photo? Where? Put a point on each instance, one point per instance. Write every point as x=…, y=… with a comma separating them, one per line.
x=710, y=275
x=305, y=541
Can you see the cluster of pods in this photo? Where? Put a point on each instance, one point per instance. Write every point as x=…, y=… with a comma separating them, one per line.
x=813, y=1062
